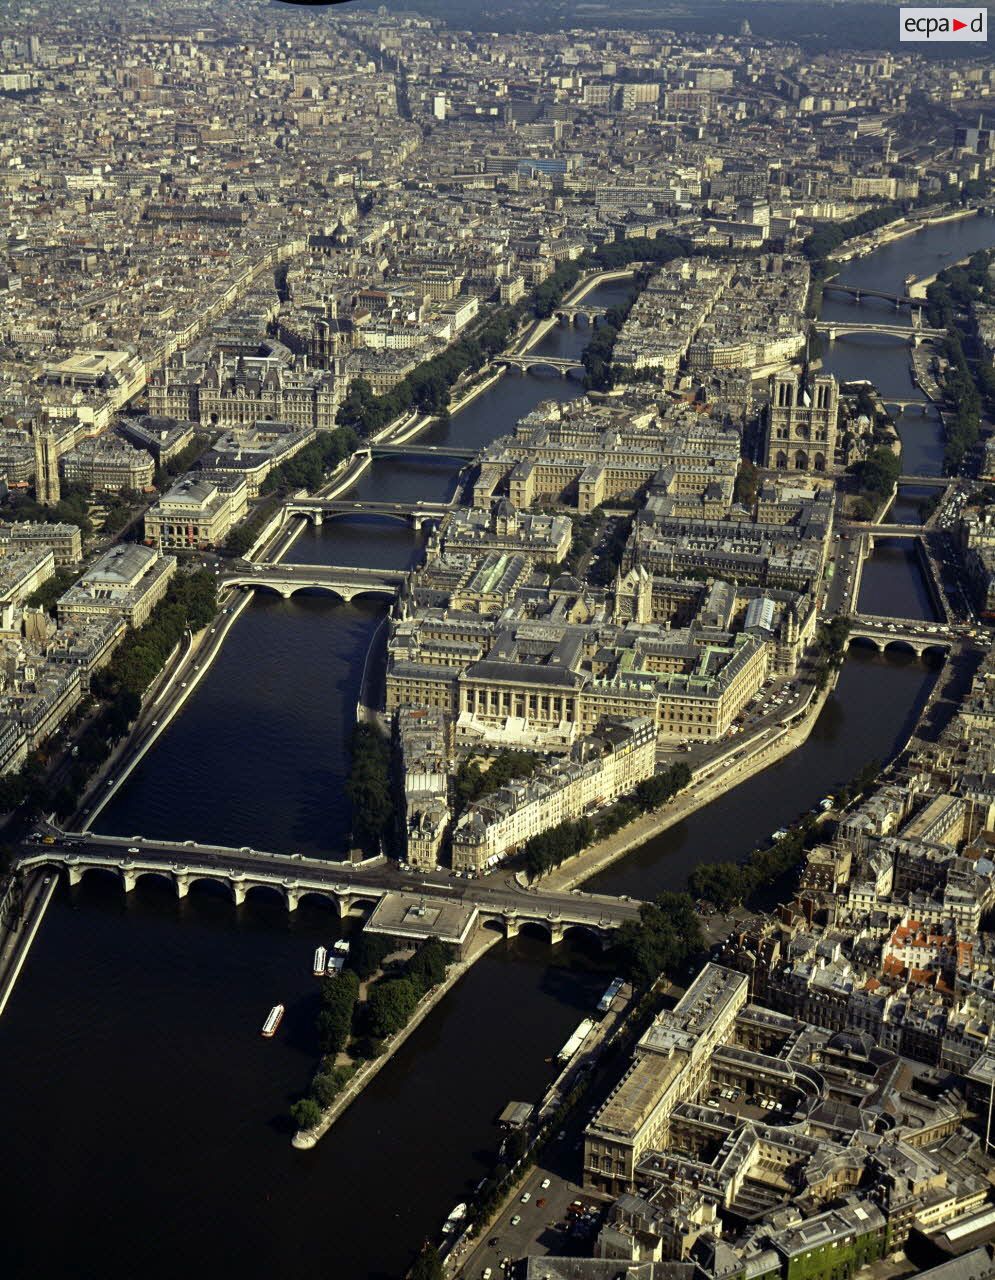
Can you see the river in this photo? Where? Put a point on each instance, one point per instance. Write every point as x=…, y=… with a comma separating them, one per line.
x=151, y=1119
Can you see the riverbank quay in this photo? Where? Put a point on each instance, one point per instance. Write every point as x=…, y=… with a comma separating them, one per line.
x=550, y=1155
x=305, y=1139
x=171, y=697
x=897, y=230
x=18, y=930
x=709, y=781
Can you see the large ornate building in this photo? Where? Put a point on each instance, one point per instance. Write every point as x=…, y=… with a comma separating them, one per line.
x=235, y=393
x=801, y=422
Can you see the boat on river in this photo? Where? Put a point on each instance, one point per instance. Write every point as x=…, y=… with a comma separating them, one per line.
x=320, y=962
x=273, y=1020
x=454, y=1219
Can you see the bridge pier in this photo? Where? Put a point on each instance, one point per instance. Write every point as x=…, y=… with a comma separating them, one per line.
x=128, y=879
x=237, y=891
x=74, y=874
x=293, y=897
x=182, y=884
x=555, y=932
x=511, y=927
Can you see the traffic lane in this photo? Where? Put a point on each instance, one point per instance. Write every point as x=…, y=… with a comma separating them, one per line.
x=249, y=864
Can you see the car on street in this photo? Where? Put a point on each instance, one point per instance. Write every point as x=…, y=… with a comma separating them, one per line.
x=544, y=1184
x=526, y=1197
x=516, y=1219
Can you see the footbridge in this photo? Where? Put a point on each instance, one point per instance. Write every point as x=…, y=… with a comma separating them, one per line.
x=416, y=514
x=287, y=579
x=525, y=363
x=350, y=888
x=908, y=633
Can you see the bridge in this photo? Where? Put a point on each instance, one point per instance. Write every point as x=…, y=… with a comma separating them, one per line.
x=416, y=514
x=910, y=633
x=904, y=406
x=834, y=329
x=287, y=579
x=350, y=888
x=418, y=451
x=570, y=315
x=884, y=530
x=931, y=482
x=857, y=293
x=525, y=363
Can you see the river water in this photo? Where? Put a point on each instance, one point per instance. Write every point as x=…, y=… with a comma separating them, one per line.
x=150, y=1118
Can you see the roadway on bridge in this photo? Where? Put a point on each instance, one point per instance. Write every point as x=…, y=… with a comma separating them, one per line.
x=498, y=893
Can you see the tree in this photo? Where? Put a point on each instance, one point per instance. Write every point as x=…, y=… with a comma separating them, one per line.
x=746, y=483
x=327, y=1085
x=338, y=1004
x=368, y=787
x=427, y=967
x=390, y=1005
x=878, y=472
x=667, y=935
x=427, y=1266
x=306, y=1113
x=367, y=953
x=724, y=883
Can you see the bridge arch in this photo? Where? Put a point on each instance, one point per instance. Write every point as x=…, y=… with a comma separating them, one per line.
x=584, y=932
x=536, y=928
x=539, y=363
x=900, y=642
x=217, y=886
x=402, y=517
x=358, y=904
x=155, y=873
x=872, y=642
x=262, y=890
x=379, y=593
x=105, y=871
x=323, y=897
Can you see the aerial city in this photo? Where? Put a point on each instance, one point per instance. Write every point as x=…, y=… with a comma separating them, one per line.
x=497, y=686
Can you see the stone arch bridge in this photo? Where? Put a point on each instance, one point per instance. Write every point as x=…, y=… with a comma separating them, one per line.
x=350, y=888
x=526, y=363
x=571, y=315
x=907, y=633
x=416, y=514
x=287, y=579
